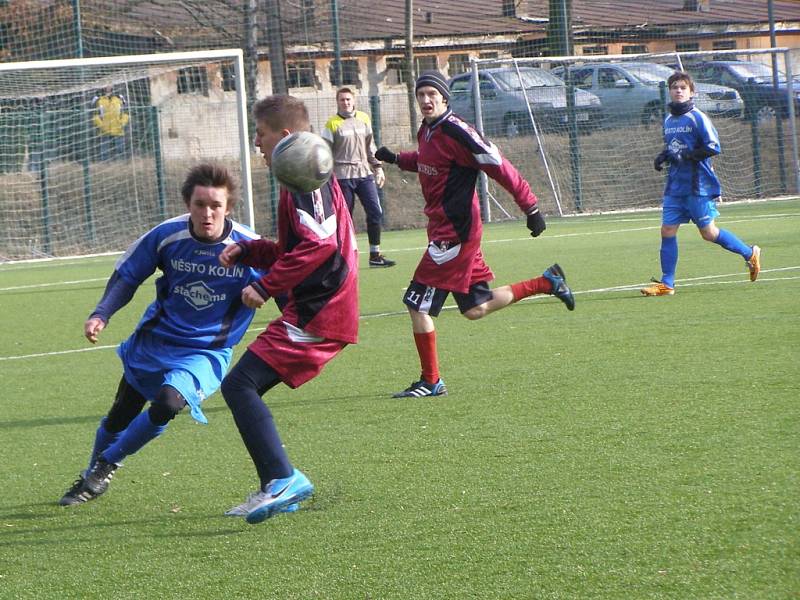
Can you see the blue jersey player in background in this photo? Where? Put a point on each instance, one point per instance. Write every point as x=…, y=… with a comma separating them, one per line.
x=182, y=346
x=692, y=187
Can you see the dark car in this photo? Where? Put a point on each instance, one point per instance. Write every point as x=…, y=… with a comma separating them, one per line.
x=762, y=98
x=503, y=102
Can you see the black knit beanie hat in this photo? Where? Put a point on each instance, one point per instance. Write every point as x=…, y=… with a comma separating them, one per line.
x=433, y=79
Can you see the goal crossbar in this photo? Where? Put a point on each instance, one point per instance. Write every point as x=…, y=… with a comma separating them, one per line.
x=235, y=55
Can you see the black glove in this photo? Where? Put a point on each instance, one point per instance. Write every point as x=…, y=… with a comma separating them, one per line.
x=385, y=155
x=536, y=222
x=697, y=154
x=663, y=157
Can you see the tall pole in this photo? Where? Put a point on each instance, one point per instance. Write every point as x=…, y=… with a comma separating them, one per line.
x=572, y=123
x=251, y=59
x=773, y=43
x=84, y=160
x=409, y=69
x=277, y=58
x=792, y=119
x=337, y=45
x=76, y=24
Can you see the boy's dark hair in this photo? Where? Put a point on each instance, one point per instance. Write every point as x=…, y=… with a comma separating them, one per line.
x=681, y=76
x=282, y=112
x=209, y=175
x=344, y=90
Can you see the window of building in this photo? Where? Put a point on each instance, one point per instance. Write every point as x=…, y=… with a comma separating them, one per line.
x=425, y=63
x=634, y=49
x=595, y=49
x=228, y=77
x=687, y=47
x=457, y=64
x=193, y=80
x=395, y=70
x=396, y=67
x=724, y=45
x=300, y=74
x=509, y=8
x=350, y=73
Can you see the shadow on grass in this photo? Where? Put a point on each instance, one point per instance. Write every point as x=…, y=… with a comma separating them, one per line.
x=49, y=521
x=276, y=400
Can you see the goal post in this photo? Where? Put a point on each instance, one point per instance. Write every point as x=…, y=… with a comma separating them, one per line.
x=93, y=151
x=586, y=139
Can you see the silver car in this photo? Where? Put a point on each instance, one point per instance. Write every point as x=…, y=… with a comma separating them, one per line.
x=630, y=91
x=503, y=101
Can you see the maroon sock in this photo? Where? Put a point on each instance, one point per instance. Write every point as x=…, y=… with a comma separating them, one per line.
x=531, y=287
x=428, y=359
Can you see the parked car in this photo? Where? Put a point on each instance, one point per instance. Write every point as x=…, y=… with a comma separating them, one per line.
x=763, y=99
x=630, y=91
x=503, y=101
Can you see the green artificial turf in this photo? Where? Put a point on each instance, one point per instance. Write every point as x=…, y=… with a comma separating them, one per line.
x=635, y=448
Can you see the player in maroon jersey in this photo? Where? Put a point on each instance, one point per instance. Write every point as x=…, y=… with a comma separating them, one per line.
x=313, y=276
x=449, y=156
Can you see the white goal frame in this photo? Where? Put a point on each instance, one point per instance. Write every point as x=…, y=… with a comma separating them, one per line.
x=234, y=54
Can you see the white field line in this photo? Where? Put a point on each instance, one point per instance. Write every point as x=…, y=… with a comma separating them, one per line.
x=690, y=282
x=27, y=264
x=484, y=242
x=53, y=284
x=55, y=261
x=556, y=236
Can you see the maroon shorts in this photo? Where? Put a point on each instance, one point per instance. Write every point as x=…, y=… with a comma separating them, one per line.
x=296, y=355
x=453, y=267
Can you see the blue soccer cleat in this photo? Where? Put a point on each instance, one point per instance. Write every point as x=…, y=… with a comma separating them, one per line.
x=555, y=275
x=422, y=388
x=279, y=495
x=254, y=500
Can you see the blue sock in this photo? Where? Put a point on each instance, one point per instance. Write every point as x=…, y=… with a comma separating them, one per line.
x=732, y=243
x=669, y=260
x=102, y=440
x=138, y=433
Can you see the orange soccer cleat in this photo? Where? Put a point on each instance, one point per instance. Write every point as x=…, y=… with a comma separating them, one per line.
x=658, y=289
x=754, y=264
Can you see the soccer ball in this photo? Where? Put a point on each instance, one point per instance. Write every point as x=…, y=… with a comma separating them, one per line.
x=302, y=162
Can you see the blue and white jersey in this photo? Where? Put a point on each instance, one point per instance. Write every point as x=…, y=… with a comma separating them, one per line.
x=198, y=301
x=682, y=134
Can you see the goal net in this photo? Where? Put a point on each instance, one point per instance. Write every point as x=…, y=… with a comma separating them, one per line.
x=585, y=130
x=93, y=152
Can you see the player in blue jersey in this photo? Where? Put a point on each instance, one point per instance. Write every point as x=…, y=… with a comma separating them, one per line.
x=692, y=187
x=182, y=346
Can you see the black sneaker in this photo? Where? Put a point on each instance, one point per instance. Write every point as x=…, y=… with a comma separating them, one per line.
x=379, y=260
x=97, y=480
x=555, y=275
x=421, y=388
x=76, y=494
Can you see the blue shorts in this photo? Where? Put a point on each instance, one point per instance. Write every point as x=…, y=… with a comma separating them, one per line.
x=700, y=210
x=195, y=373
